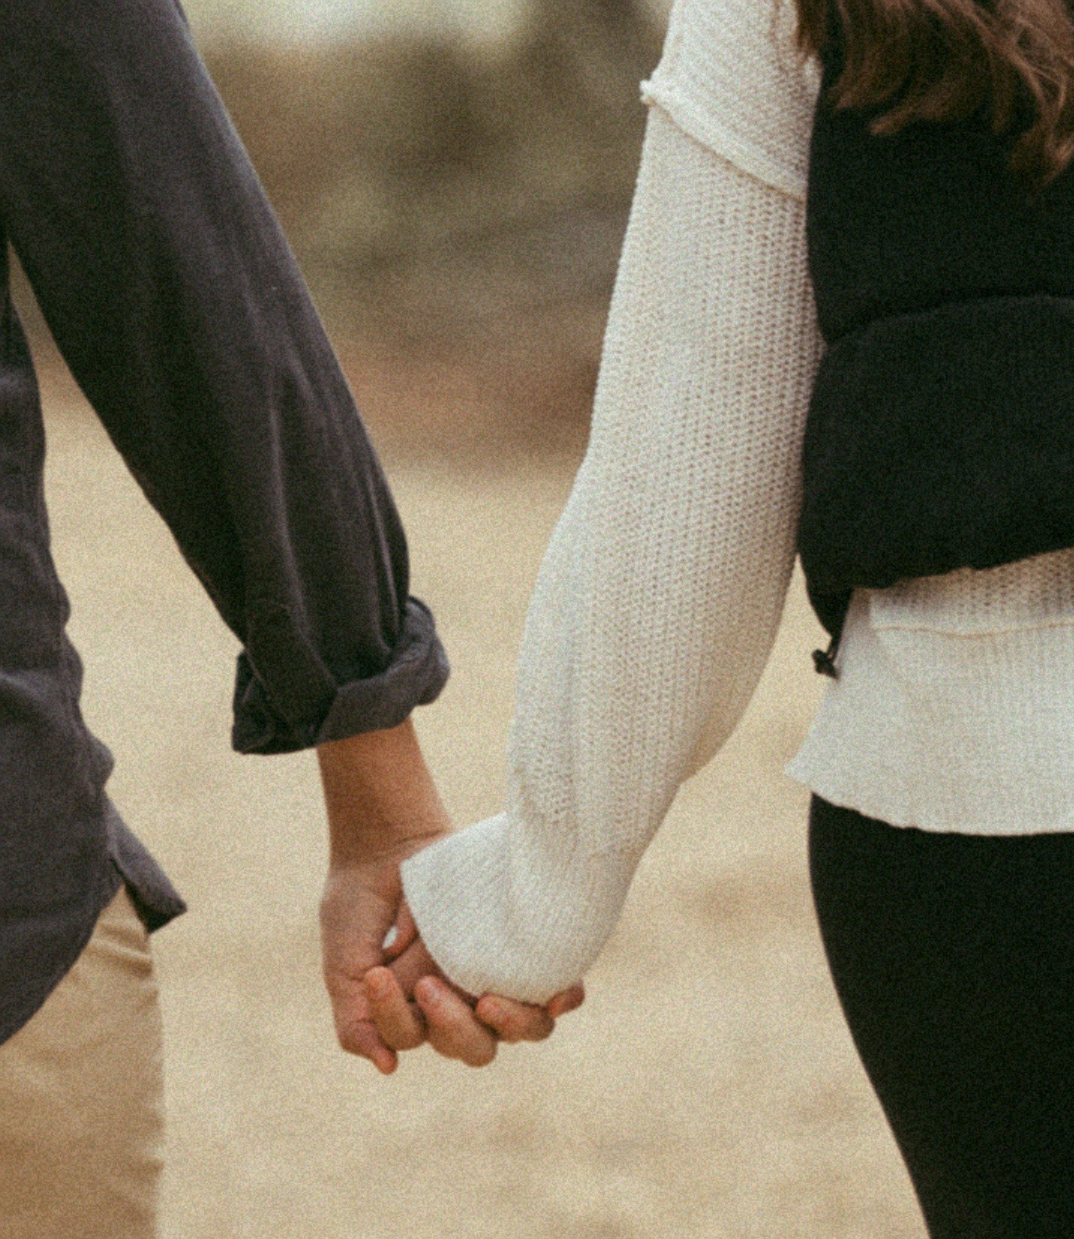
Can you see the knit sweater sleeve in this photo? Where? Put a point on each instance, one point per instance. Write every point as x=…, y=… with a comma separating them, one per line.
x=663, y=584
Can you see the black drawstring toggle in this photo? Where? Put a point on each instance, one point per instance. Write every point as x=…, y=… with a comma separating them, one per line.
x=824, y=661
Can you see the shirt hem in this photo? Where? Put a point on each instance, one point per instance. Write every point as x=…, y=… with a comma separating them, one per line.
x=923, y=819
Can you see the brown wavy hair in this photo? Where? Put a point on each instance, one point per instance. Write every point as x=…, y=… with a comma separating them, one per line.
x=938, y=60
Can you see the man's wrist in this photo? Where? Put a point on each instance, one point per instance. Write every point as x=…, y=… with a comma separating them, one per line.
x=380, y=798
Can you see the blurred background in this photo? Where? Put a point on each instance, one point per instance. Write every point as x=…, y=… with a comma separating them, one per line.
x=454, y=176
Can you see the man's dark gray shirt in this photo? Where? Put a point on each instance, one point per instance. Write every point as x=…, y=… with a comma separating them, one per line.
x=175, y=301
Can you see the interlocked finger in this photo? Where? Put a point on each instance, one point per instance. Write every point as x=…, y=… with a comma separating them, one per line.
x=400, y=1024
x=451, y=1025
x=514, y=1021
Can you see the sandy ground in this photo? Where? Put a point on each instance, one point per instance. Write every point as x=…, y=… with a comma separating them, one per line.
x=707, y=1088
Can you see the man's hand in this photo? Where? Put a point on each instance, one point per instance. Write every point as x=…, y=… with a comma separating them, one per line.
x=382, y=807
x=358, y=907
x=410, y=1001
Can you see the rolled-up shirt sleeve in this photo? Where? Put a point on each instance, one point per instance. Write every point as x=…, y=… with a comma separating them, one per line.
x=178, y=306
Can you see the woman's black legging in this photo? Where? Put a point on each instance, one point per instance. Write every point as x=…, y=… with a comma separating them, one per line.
x=953, y=957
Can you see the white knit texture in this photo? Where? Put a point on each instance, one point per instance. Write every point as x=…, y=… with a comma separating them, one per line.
x=664, y=581
x=625, y=681
x=731, y=76
x=954, y=707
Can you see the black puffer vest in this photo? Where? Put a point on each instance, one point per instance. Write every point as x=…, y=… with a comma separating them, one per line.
x=941, y=429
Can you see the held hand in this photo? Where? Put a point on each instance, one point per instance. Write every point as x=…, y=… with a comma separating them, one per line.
x=358, y=907
x=388, y=1000
x=411, y=1001
x=382, y=807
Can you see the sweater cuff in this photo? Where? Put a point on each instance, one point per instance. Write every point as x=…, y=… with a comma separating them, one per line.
x=414, y=676
x=500, y=916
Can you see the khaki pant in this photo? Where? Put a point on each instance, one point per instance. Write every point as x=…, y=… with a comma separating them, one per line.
x=81, y=1097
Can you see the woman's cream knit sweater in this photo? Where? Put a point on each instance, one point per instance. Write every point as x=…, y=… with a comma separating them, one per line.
x=663, y=584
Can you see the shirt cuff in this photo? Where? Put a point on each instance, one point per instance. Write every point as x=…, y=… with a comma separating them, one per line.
x=414, y=676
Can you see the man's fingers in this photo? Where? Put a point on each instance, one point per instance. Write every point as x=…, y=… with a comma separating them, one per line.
x=400, y=1024
x=520, y=1021
x=361, y=1037
x=514, y=1021
x=566, y=1001
x=451, y=1025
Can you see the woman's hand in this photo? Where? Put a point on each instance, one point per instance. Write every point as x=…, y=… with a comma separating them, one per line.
x=385, y=1000
x=410, y=1001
